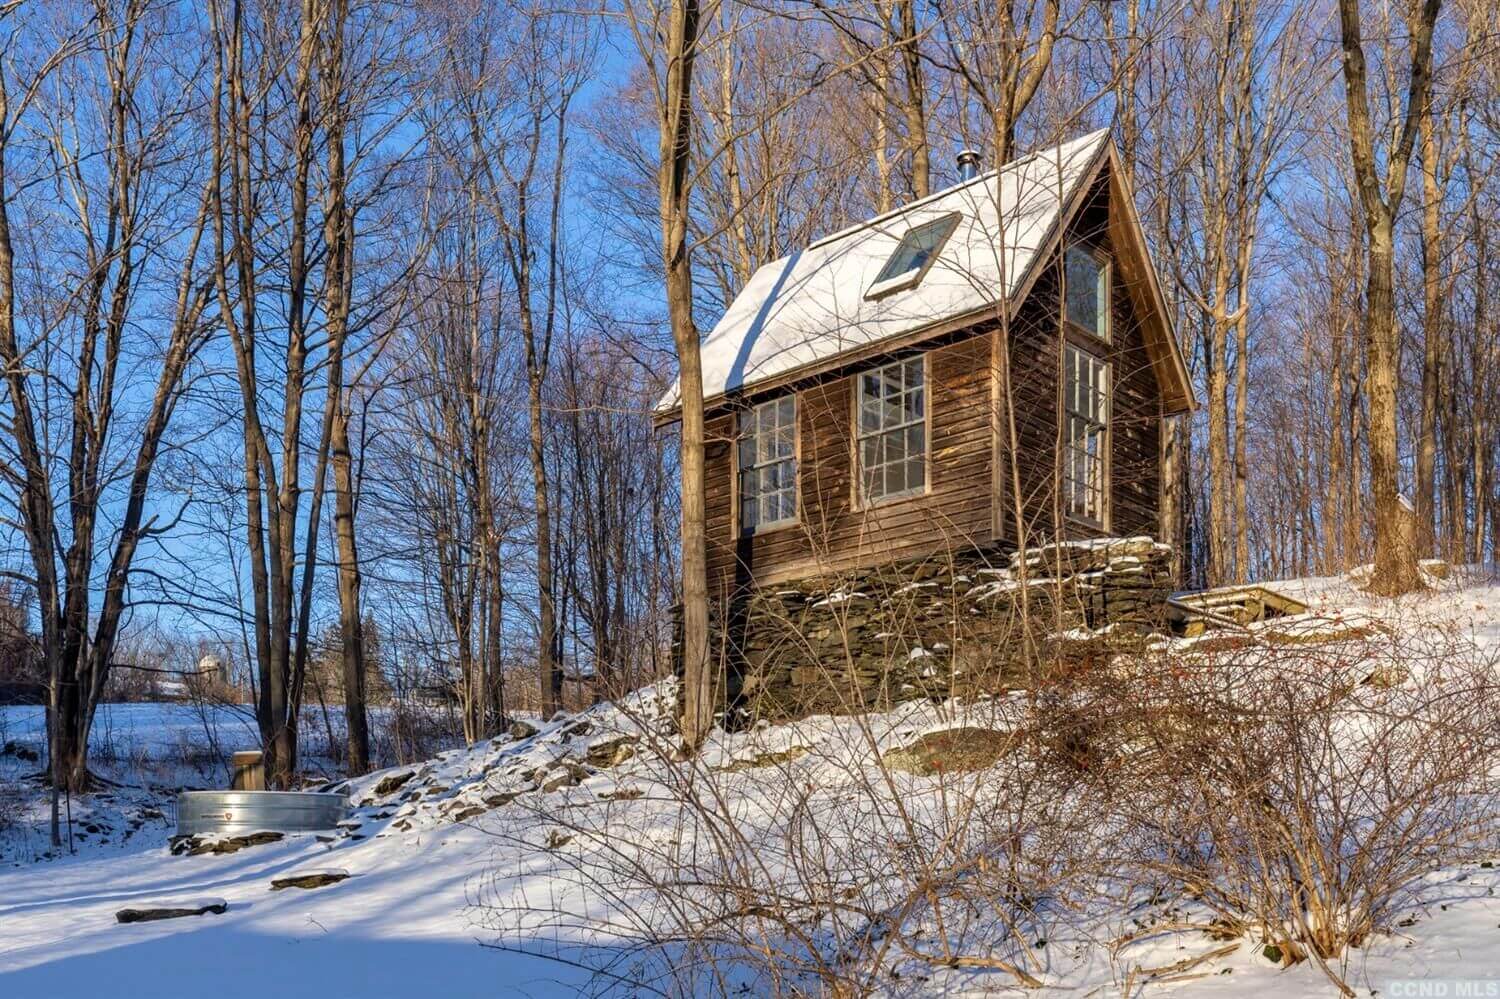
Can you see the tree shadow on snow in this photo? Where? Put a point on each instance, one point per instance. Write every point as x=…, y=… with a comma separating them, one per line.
x=232, y=963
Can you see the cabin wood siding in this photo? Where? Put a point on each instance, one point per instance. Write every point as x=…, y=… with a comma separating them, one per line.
x=968, y=500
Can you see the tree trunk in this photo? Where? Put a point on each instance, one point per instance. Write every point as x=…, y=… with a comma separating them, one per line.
x=1333, y=524
x=878, y=104
x=1395, y=555
x=494, y=593
x=551, y=676
x=1484, y=445
x=338, y=280
x=1219, y=545
x=914, y=104
x=69, y=749
x=1432, y=319
x=674, y=181
x=1241, y=462
x=351, y=620
x=1395, y=558
x=1170, y=525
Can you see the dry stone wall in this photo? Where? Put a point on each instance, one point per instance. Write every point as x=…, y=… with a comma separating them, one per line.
x=966, y=622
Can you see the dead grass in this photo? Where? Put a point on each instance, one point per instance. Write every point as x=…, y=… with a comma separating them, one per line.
x=954, y=750
x=764, y=760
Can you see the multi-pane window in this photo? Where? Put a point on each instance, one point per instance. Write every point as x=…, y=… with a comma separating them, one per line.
x=1087, y=301
x=918, y=247
x=893, y=430
x=1086, y=460
x=768, y=464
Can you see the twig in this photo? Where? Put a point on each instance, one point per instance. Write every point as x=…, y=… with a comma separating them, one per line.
x=1187, y=963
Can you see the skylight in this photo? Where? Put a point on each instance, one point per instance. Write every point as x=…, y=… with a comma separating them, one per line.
x=918, y=248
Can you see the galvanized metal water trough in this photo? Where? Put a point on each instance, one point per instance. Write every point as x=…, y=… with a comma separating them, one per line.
x=237, y=812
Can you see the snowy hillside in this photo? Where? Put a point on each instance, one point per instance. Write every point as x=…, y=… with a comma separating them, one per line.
x=582, y=856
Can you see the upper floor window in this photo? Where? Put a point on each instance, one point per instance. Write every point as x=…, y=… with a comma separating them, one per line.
x=768, y=464
x=1086, y=458
x=918, y=249
x=893, y=430
x=1086, y=304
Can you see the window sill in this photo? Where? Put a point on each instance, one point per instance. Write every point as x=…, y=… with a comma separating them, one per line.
x=780, y=525
x=892, y=499
x=1086, y=336
x=890, y=286
x=1078, y=520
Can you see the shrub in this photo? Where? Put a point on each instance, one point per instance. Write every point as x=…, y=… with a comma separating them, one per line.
x=1302, y=802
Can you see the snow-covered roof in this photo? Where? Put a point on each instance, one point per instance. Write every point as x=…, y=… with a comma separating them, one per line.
x=813, y=304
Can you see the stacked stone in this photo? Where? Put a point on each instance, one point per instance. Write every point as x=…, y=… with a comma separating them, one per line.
x=819, y=646
x=921, y=628
x=951, y=625
x=1120, y=582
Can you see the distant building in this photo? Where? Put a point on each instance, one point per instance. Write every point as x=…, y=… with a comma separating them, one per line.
x=215, y=668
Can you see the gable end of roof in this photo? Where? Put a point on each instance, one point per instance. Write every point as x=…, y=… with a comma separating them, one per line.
x=809, y=312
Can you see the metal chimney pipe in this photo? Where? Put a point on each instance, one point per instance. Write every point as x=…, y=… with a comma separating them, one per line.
x=968, y=165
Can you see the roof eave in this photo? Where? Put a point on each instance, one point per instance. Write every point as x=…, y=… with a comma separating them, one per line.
x=865, y=351
x=1184, y=399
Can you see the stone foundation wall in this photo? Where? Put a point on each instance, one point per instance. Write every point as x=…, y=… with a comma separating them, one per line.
x=962, y=623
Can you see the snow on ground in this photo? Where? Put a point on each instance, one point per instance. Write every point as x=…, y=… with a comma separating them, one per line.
x=438, y=852
x=149, y=751
x=396, y=928
x=140, y=744
x=153, y=730
x=1466, y=604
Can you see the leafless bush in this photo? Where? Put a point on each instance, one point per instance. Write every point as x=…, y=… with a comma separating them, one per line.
x=186, y=752
x=408, y=730
x=11, y=799
x=323, y=735
x=1302, y=793
x=834, y=856
x=1295, y=788
x=129, y=684
x=212, y=701
x=106, y=744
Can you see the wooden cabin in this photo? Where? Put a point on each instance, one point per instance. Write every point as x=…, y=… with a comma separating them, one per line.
x=988, y=366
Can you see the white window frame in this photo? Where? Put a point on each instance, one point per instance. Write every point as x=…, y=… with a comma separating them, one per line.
x=1103, y=289
x=753, y=425
x=1087, y=402
x=884, y=429
x=886, y=282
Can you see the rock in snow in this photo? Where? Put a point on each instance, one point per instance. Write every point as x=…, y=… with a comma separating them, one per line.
x=175, y=909
x=310, y=879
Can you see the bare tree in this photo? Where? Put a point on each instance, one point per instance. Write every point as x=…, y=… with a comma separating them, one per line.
x=448, y=456
x=116, y=171
x=1440, y=151
x=250, y=60
x=881, y=35
x=299, y=85
x=615, y=491
x=1001, y=52
x=1239, y=79
x=514, y=107
x=1395, y=551
x=338, y=281
x=366, y=286
x=667, y=39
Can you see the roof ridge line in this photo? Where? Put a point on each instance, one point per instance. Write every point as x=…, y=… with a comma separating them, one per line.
x=989, y=174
